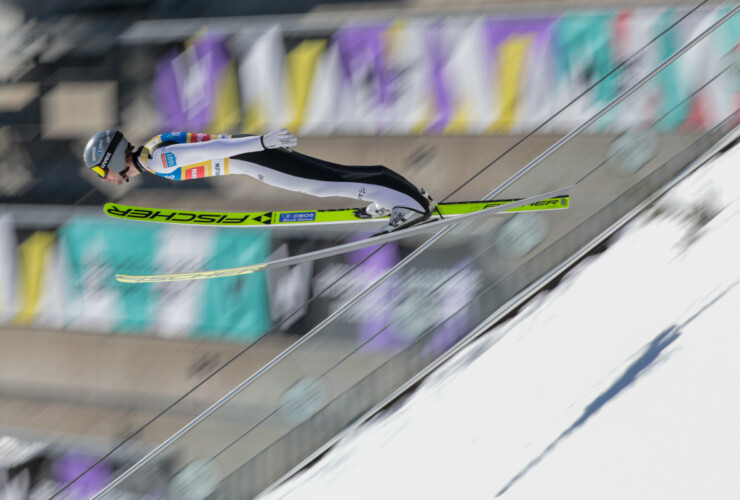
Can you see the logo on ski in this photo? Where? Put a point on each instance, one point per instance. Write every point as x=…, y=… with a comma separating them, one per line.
x=298, y=217
x=554, y=202
x=175, y=216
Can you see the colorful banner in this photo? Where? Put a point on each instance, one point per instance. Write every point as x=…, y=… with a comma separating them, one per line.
x=426, y=301
x=179, y=305
x=72, y=285
x=95, y=250
x=85, y=475
x=38, y=469
x=196, y=89
x=290, y=290
x=33, y=263
x=374, y=314
x=236, y=309
x=262, y=81
x=490, y=75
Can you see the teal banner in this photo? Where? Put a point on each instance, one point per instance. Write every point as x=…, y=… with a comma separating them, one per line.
x=93, y=251
x=237, y=308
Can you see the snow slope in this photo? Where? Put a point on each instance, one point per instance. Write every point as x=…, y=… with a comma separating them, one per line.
x=621, y=383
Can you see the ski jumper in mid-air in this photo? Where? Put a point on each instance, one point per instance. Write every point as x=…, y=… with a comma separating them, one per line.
x=182, y=156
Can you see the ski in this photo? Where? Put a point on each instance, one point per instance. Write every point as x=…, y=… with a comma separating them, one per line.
x=304, y=217
x=562, y=194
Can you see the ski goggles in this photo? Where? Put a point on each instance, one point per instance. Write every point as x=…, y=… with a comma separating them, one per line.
x=114, y=157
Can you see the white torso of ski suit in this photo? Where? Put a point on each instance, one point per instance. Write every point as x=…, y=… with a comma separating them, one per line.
x=182, y=156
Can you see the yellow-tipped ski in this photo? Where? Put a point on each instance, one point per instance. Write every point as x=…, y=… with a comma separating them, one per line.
x=304, y=217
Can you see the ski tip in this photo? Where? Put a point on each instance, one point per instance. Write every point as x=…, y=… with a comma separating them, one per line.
x=113, y=210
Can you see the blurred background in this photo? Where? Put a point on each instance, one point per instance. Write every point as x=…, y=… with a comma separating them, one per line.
x=95, y=374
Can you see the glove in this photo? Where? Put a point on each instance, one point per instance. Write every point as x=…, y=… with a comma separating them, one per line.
x=279, y=139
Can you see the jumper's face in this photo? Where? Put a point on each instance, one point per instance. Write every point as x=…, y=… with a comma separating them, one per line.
x=131, y=170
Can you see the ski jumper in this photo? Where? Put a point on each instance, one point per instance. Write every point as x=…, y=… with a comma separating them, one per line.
x=182, y=156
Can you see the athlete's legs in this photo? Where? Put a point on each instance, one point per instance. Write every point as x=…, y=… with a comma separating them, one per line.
x=305, y=174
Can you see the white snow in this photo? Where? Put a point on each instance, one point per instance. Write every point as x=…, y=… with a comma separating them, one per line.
x=621, y=383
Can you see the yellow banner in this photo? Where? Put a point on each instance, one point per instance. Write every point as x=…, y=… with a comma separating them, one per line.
x=32, y=263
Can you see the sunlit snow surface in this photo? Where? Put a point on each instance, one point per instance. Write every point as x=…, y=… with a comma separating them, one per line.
x=621, y=383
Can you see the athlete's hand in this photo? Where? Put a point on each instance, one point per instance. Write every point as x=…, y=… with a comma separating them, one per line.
x=279, y=139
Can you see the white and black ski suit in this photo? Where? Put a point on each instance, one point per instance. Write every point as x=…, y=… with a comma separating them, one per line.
x=182, y=156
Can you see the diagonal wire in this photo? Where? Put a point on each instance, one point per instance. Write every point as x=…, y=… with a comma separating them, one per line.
x=469, y=262
x=391, y=272
x=231, y=360
x=315, y=330
x=655, y=122
x=569, y=104
x=197, y=386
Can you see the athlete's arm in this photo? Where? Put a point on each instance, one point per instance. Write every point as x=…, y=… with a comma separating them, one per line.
x=174, y=156
x=197, y=152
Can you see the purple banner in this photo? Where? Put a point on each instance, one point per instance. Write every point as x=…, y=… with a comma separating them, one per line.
x=500, y=30
x=186, y=82
x=69, y=467
x=443, y=104
x=383, y=297
x=362, y=55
